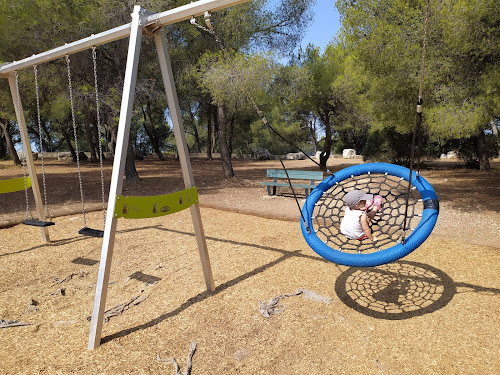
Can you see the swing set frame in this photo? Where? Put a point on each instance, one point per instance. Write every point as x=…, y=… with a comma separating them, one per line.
x=151, y=24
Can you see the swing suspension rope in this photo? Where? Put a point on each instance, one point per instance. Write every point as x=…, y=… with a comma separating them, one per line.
x=209, y=29
x=30, y=221
x=418, y=122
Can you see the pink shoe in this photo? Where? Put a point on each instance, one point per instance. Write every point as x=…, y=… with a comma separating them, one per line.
x=377, y=201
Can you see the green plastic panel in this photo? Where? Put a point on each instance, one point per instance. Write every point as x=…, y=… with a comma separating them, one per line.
x=14, y=184
x=160, y=205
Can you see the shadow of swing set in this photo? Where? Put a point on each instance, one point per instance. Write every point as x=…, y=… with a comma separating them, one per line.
x=119, y=206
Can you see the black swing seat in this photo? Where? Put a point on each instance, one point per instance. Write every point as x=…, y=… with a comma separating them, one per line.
x=91, y=232
x=38, y=223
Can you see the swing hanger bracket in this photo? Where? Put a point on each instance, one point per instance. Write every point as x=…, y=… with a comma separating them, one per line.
x=150, y=29
x=207, y=20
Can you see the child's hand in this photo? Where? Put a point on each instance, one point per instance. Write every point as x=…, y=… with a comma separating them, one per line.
x=375, y=239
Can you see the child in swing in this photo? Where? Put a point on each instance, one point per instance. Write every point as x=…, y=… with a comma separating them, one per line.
x=361, y=209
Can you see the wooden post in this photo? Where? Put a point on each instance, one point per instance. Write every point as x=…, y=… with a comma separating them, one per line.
x=117, y=176
x=180, y=141
x=28, y=157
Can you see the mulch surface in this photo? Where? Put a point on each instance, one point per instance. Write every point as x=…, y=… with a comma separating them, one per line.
x=433, y=312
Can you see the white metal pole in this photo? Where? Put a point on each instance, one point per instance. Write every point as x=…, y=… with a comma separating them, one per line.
x=35, y=188
x=180, y=141
x=138, y=18
x=108, y=36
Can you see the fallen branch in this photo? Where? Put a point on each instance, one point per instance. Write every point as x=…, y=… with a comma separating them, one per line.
x=189, y=365
x=272, y=307
x=13, y=323
x=119, y=309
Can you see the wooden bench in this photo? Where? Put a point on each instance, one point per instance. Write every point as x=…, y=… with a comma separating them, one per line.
x=276, y=174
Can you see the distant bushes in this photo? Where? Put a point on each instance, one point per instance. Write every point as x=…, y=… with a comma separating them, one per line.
x=388, y=145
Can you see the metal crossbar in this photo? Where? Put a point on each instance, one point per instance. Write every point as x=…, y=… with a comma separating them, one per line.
x=152, y=23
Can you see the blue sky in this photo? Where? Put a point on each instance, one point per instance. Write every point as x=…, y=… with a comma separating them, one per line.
x=324, y=26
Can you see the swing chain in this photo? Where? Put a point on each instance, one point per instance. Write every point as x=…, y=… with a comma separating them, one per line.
x=76, y=138
x=418, y=120
x=98, y=117
x=45, y=209
x=23, y=142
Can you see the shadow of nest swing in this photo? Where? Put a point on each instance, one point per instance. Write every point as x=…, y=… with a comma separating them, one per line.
x=400, y=290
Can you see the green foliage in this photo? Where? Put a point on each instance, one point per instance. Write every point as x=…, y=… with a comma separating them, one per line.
x=466, y=149
x=389, y=145
x=233, y=81
x=453, y=121
x=293, y=131
x=460, y=81
x=361, y=90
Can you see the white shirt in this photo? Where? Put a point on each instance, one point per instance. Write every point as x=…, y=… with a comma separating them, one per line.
x=351, y=224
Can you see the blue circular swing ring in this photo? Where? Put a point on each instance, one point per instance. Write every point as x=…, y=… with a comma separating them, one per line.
x=414, y=240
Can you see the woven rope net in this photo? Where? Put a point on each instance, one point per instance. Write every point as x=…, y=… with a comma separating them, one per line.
x=388, y=224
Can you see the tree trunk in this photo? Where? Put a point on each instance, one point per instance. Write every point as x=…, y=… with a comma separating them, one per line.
x=152, y=134
x=227, y=166
x=3, y=148
x=209, y=132
x=215, y=134
x=55, y=146
x=155, y=139
x=112, y=138
x=312, y=130
x=65, y=134
x=482, y=151
x=97, y=138
x=10, y=143
x=88, y=136
x=47, y=142
x=327, y=147
x=130, y=171
x=197, y=140
x=230, y=135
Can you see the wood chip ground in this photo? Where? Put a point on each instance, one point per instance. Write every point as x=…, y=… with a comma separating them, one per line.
x=434, y=312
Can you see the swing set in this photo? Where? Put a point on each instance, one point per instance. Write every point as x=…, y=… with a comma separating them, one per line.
x=317, y=223
x=119, y=206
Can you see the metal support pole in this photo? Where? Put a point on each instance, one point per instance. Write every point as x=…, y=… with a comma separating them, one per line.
x=138, y=17
x=28, y=157
x=180, y=141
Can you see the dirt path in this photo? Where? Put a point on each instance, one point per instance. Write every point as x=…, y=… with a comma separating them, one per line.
x=469, y=200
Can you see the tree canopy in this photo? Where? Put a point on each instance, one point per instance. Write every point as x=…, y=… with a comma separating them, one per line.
x=359, y=92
